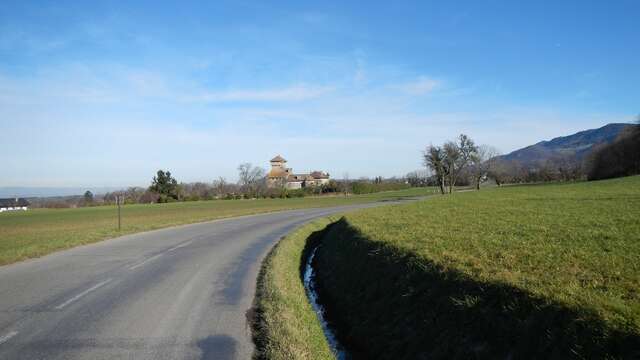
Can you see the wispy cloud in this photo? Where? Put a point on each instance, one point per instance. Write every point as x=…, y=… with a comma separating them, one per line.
x=421, y=86
x=290, y=93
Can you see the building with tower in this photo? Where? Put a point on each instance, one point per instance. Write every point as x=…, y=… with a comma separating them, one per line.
x=281, y=176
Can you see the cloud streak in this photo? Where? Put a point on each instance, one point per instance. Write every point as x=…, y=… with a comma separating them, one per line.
x=421, y=86
x=283, y=94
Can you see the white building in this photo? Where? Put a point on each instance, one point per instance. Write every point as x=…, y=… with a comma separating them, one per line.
x=13, y=204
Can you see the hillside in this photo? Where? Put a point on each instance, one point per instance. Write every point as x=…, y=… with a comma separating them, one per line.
x=573, y=147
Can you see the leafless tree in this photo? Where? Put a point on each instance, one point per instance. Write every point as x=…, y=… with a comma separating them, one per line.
x=345, y=184
x=457, y=157
x=434, y=159
x=418, y=177
x=451, y=160
x=250, y=178
x=483, y=161
x=149, y=197
x=501, y=171
x=220, y=186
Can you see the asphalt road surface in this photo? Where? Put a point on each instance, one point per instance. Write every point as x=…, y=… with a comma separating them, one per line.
x=177, y=293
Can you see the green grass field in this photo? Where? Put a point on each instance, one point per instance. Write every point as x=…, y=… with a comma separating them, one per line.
x=543, y=271
x=530, y=271
x=38, y=232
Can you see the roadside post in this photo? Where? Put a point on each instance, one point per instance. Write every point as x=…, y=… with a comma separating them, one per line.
x=118, y=201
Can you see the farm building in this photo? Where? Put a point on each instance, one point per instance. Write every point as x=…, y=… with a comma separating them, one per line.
x=282, y=176
x=13, y=204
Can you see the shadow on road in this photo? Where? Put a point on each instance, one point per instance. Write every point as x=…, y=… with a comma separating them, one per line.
x=218, y=347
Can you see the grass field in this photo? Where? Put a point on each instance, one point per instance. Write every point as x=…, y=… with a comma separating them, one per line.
x=546, y=271
x=38, y=232
x=543, y=271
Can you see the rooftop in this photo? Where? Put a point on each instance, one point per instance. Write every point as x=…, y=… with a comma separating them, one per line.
x=13, y=202
x=278, y=159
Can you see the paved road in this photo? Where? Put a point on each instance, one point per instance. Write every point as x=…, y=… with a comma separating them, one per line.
x=178, y=293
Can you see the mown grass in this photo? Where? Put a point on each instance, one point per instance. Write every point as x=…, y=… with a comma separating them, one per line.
x=284, y=323
x=38, y=232
x=546, y=271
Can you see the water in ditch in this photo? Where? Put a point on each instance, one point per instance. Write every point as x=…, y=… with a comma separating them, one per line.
x=309, y=286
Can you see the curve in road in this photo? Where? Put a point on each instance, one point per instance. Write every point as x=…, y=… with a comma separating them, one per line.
x=176, y=293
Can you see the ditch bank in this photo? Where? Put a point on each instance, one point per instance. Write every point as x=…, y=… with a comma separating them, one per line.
x=284, y=323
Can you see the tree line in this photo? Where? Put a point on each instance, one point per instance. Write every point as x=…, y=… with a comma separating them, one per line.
x=251, y=184
x=620, y=158
x=461, y=162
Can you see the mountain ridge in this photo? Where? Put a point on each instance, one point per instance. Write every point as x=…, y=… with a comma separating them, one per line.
x=575, y=147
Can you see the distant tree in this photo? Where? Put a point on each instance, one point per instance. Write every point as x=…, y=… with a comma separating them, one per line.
x=331, y=187
x=565, y=168
x=133, y=195
x=251, y=179
x=457, y=157
x=88, y=197
x=414, y=179
x=221, y=187
x=165, y=185
x=149, y=197
x=483, y=160
x=418, y=178
x=197, y=191
x=434, y=159
x=500, y=172
x=346, y=184
x=452, y=158
x=620, y=158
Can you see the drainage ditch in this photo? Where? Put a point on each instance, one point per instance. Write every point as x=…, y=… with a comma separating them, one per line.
x=312, y=295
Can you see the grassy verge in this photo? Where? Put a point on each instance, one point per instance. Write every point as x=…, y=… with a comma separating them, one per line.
x=283, y=322
x=546, y=271
x=38, y=232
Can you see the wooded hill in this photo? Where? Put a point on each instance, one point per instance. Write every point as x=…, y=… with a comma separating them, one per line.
x=576, y=147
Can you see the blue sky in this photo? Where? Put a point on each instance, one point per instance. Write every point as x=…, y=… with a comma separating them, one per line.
x=105, y=94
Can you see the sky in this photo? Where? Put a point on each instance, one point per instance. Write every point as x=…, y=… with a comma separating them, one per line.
x=106, y=93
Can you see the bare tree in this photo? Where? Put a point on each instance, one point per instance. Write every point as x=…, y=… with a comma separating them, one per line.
x=250, y=178
x=452, y=157
x=483, y=161
x=434, y=159
x=449, y=161
x=457, y=156
x=221, y=186
x=501, y=172
x=418, y=178
x=346, y=184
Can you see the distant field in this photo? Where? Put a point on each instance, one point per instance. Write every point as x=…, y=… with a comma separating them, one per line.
x=544, y=271
x=38, y=232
